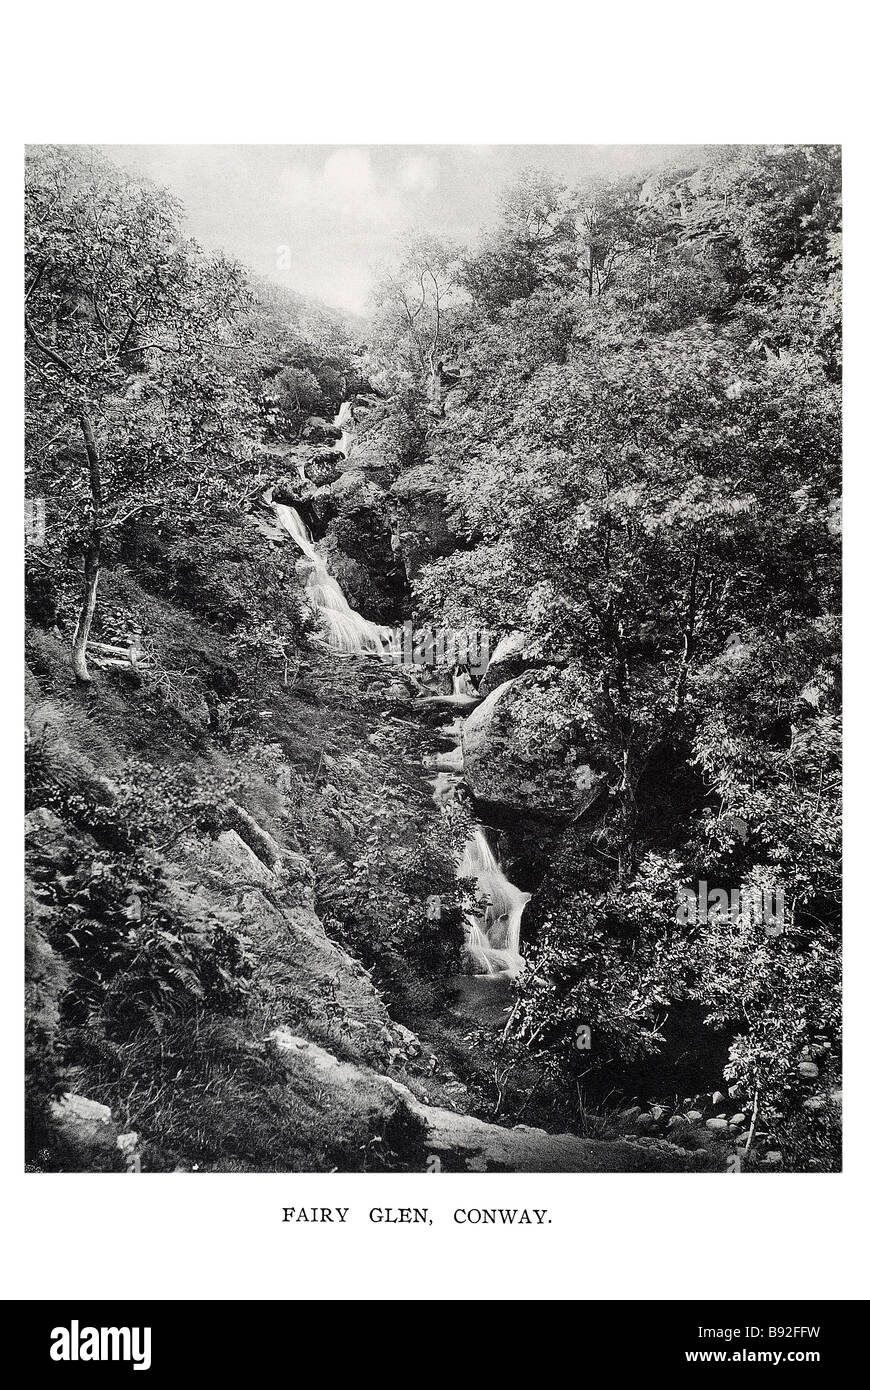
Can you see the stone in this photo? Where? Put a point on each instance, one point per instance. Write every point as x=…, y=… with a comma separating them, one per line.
x=264, y=845
x=320, y=431
x=327, y=468
x=71, y=1108
x=231, y=856
x=507, y=660
x=49, y=839
x=808, y=1071
x=86, y=1129
x=718, y=1122
x=422, y=514
x=503, y=771
x=738, y=1119
x=357, y=547
x=128, y=1147
x=717, y=1100
x=694, y=1116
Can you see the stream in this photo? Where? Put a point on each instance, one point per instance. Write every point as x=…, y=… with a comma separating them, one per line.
x=493, y=927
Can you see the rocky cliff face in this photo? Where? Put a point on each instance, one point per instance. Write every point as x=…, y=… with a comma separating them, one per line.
x=422, y=522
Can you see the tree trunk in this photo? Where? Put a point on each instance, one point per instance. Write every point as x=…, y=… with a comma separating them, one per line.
x=93, y=557
x=86, y=612
x=626, y=820
x=436, y=390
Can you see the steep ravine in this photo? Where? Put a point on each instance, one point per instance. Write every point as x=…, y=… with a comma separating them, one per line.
x=352, y=1054
x=492, y=927
x=492, y=934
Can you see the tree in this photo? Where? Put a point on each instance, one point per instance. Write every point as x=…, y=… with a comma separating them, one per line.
x=128, y=328
x=413, y=303
x=657, y=512
x=533, y=248
x=607, y=223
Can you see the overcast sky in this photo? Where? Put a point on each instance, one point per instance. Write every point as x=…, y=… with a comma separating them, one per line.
x=322, y=218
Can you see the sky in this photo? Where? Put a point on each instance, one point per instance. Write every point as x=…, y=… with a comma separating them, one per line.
x=322, y=219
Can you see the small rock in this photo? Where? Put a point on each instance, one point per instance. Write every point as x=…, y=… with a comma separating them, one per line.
x=644, y=1121
x=717, y=1100
x=738, y=1119
x=814, y=1103
x=808, y=1071
x=128, y=1144
x=86, y=1125
x=694, y=1116
x=718, y=1122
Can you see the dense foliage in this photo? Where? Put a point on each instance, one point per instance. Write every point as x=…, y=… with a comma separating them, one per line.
x=646, y=463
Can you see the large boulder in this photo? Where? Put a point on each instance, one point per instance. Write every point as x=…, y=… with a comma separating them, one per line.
x=508, y=659
x=509, y=771
x=325, y=467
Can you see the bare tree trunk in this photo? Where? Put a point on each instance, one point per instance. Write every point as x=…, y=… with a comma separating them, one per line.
x=436, y=396
x=86, y=614
x=93, y=558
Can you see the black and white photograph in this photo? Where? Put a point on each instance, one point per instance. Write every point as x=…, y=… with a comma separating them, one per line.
x=441, y=435
x=433, y=658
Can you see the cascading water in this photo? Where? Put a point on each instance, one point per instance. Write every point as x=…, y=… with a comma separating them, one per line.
x=492, y=931
x=493, y=937
x=343, y=420
x=463, y=693
x=347, y=630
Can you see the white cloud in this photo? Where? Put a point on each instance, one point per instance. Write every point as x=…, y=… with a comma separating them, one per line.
x=419, y=173
x=344, y=186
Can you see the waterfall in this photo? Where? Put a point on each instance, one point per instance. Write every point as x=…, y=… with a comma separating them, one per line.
x=347, y=630
x=464, y=693
x=343, y=420
x=492, y=932
x=492, y=938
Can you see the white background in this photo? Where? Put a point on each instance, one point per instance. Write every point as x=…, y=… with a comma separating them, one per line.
x=481, y=73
